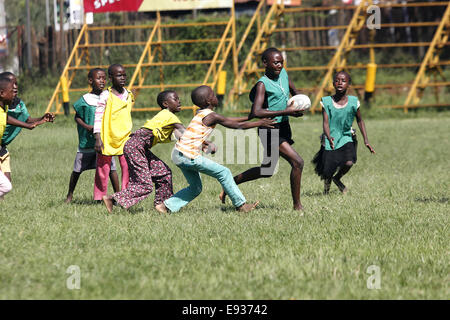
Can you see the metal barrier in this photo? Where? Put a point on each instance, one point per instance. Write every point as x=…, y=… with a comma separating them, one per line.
x=339, y=60
x=151, y=56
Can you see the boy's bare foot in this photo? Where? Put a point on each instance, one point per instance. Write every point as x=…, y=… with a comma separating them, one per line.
x=298, y=207
x=247, y=207
x=340, y=185
x=326, y=186
x=161, y=208
x=68, y=199
x=222, y=196
x=108, y=201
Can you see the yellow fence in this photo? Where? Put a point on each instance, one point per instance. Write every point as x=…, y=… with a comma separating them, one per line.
x=266, y=27
x=151, y=57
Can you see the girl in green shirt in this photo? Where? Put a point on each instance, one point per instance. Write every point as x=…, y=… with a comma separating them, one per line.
x=338, y=149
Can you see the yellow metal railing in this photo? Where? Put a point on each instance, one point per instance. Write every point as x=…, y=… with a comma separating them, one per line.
x=430, y=63
x=151, y=56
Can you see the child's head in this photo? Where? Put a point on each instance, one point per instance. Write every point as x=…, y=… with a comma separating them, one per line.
x=117, y=75
x=169, y=100
x=6, y=90
x=341, y=81
x=273, y=61
x=204, y=97
x=13, y=78
x=97, y=79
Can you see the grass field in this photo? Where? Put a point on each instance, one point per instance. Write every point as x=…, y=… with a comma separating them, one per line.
x=395, y=217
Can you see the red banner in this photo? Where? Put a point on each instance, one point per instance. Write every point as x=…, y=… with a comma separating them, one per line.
x=97, y=6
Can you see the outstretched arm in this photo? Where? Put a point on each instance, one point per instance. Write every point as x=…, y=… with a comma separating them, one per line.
x=14, y=122
x=48, y=117
x=215, y=118
x=259, y=112
x=362, y=128
x=178, y=130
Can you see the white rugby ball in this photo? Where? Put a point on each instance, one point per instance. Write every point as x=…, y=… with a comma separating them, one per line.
x=301, y=102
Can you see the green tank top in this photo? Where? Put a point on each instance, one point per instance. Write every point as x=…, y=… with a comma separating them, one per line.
x=340, y=121
x=277, y=93
x=19, y=112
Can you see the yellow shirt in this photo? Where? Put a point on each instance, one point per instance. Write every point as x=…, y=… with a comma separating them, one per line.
x=116, y=124
x=3, y=119
x=162, y=126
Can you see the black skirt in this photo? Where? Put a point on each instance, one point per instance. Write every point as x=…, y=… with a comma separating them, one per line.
x=326, y=162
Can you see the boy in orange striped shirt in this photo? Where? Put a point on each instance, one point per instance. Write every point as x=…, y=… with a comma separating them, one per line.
x=187, y=157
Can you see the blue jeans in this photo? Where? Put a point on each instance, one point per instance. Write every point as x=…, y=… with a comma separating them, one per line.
x=191, y=169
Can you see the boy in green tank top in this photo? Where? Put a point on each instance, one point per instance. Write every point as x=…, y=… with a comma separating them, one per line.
x=270, y=96
x=339, y=147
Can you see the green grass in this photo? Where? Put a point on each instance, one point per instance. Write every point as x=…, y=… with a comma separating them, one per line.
x=396, y=216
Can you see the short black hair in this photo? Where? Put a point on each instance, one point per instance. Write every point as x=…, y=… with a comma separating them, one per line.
x=198, y=96
x=265, y=55
x=162, y=96
x=344, y=72
x=92, y=71
x=4, y=82
x=111, y=67
x=7, y=74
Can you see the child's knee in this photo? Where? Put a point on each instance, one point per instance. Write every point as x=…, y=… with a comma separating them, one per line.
x=298, y=163
x=196, y=189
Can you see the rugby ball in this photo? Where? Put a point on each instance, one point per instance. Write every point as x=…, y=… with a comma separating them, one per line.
x=301, y=102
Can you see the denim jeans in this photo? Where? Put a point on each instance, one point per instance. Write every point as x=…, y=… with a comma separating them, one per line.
x=191, y=169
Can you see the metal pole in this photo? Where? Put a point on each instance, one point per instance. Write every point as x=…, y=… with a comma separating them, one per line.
x=47, y=12
x=29, y=60
x=61, y=33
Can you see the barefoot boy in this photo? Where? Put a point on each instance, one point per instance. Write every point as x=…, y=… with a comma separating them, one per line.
x=186, y=154
x=86, y=158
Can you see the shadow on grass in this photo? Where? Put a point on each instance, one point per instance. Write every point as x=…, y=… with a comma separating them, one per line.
x=432, y=199
x=85, y=201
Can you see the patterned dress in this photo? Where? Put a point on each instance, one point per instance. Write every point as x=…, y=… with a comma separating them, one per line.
x=145, y=169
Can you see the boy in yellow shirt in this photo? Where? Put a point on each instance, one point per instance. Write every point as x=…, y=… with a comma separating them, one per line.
x=146, y=169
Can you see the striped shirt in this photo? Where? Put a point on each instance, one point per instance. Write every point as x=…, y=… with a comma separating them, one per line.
x=190, y=143
x=100, y=110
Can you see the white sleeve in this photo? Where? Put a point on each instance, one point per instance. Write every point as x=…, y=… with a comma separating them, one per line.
x=358, y=105
x=321, y=104
x=99, y=111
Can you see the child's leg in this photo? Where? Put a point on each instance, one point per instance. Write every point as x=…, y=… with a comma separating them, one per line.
x=162, y=179
x=72, y=184
x=125, y=173
x=140, y=178
x=186, y=195
x=5, y=184
x=296, y=162
x=341, y=172
x=223, y=175
x=101, y=176
x=114, y=177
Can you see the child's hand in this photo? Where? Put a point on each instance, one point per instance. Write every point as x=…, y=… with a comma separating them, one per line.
x=266, y=122
x=98, y=147
x=370, y=148
x=209, y=147
x=90, y=128
x=49, y=117
x=331, y=139
x=293, y=112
